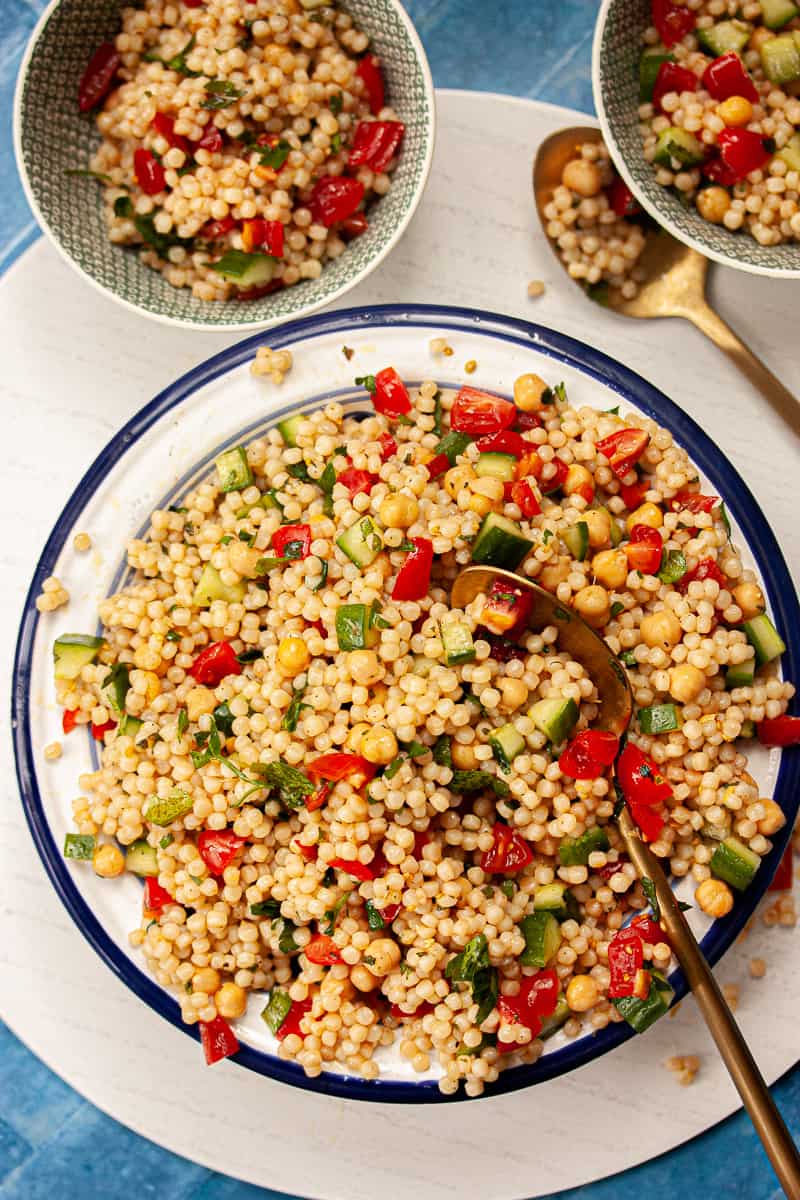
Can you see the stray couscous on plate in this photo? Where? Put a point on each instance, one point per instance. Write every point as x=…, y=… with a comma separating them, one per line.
x=243, y=140
x=381, y=819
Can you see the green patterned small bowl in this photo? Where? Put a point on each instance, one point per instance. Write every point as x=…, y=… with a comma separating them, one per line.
x=615, y=81
x=52, y=137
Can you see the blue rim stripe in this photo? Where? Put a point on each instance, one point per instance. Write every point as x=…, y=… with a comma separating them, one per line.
x=564, y=349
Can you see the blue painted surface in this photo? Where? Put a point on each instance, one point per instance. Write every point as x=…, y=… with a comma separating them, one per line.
x=48, y=1134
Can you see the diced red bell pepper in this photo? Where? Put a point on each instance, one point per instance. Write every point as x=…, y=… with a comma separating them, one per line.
x=648, y=930
x=212, y=140
x=693, y=501
x=155, y=896
x=504, y=442
x=480, y=413
x=334, y=198
x=214, y=663
x=640, y=778
x=673, y=78
x=783, y=879
x=589, y=754
x=219, y=1040
x=707, y=568
x=218, y=848
x=292, y=541
x=291, y=1023
x=649, y=820
x=259, y=233
x=369, y=70
x=69, y=719
x=625, y=958
x=353, y=867
x=523, y=494
x=164, y=125
x=421, y=840
x=672, y=21
x=309, y=853
x=726, y=76
x=507, y=609
x=375, y=144
x=556, y=480
x=356, y=481
x=414, y=577
x=509, y=854
x=437, y=466
x=353, y=227
x=779, y=731
x=742, y=151
x=149, y=172
x=632, y=494
x=622, y=200
x=389, y=913
x=212, y=231
x=335, y=766
x=644, y=550
x=98, y=76
x=100, y=731
x=323, y=950
x=318, y=798
x=623, y=449
x=718, y=171
x=390, y=395
x=388, y=446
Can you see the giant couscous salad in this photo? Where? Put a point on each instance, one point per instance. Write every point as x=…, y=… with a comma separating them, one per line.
x=242, y=140
x=379, y=819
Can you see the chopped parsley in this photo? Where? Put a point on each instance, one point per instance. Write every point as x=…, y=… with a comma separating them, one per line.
x=183, y=722
x=177, y=62
x=266, y=908
x=274, y=156
x=368, y=382
x=335, y=103
x=442, y=752
x=616, y=608
x=437, y=413
x=292, y=714
x=300, y=471
x=331, y=914
x=472, y=966
x=649, y=889
x=348, y=352
x=291, y=785
x=374, y=917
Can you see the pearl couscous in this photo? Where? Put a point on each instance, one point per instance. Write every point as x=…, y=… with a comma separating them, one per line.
x=384, y=820
x=242, y=140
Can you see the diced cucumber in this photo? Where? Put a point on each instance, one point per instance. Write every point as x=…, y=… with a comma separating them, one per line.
x=277, y=1009
x=764, y=638
x=735, y=863
x=116, y=686
x=791, y=152
x=233, y=469
x=748, y=729
x=641, y=1014
x=506, y=742
x=500, y=543
x=128, y=726
x=289, y=426
x=576, y=539
x=659, y=718
x=777, y=13
x=268, y=500
x=74, y=651
x=542, y=939
x=780, y=59
x=678, y=145
x=549, y=897
x=141, y=858
x=210, y=587
x=452, y=444
x=496, y=466
x=362, y=542
x=556, y=719
x=355, y=629
x=79, y=845
x=164, y=812
x=245, y=270
x=618, y=532
x=740, y=675
x=724, y=36
x=553, y=1023
x=575, y=851
x=649, y=66
x=457, y=642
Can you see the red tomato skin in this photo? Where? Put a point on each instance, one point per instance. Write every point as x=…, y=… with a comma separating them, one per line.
x=356, y=481
x=644, y=550
x=438, y=465
x=673, y=78
x=742, y=151
x=693, y=502
x=640, y=778
x=334, y=198
x=779, y=731
x=414, y=577
x=336, y=766
x=218, y=848
x=589, y=754
x=323, y=951
x=509, y=854
x=69, y=719
x=523, y=494
x=391, y=395
x=648, y=819
x=219, y=1040
x=481, y=413
x=214, y=663
x=671, y=21
x=100, y=731
x=705, y=569
x=98, y=76
x=505, y=442
x=213, y=230
x=286, y=534
x=369, y=70
x=375, y=143
x=293, y=1018
x=634, y=493
x=557, y=480
x=149, y=172
x=388, y=446
x=309, y=853
x=648, y=930
x=212, y=140
x=726, y=76
x=164, y=125
x=353, y=867
x=625, y=957
x=155, y=896
x=623, y=449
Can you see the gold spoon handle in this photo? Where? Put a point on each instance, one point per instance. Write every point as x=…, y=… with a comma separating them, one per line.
x=749, y=1081
x=721, y=334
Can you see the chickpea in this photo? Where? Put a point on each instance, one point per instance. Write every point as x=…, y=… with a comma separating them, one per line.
x=463, y=756
x=686, y=683
x=582, y=993
x=244, y=559
x=108, y=861
x=528, y=392
x=773, y=819
x=714, y=897
x=207, y=980
x=457, y=478
x=231, y=1001
x=379, y=745
x=662, y=629
x=712, y=204
x=593, y=604
x=582, y=176
x=750, y=599
x=480, y=505
x=759, y=36
x=736, y=110
x=514, y=693
x=365, y=666
x=362, y=978
x=383, y=955
x=355, y=737
x=646, y=514
x=579, y=482
x=199, y=701
x=610, y=568
x=293, y=655
x=598, y=521
x=398, y=511
x=554, y=573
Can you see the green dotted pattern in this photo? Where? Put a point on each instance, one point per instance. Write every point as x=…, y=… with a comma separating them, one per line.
x=56, y=137
x=620, y=49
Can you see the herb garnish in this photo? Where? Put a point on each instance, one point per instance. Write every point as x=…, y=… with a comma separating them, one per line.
x=177, y=62
x=335, y=103
x=649, y=889
x=472, y=966
x=368, y=382
x=274, y=156
x=292, y=785
x=437, y=413
x=292, y=714
x=332, y=913
x=220, y=93
x=478, y=781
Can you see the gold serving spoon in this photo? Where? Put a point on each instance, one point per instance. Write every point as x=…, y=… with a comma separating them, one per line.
x=675, y=277
x=616, y=708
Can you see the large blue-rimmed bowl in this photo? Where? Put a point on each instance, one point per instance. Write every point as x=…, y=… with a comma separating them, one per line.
x=170, y=444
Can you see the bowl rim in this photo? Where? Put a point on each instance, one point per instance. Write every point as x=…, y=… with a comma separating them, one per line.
x=560, y=348
x=223, y=327
x=655, y=212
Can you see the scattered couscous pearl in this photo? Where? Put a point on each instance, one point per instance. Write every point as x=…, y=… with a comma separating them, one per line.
x=53, y=751
x=82, y=542
x=536, y=288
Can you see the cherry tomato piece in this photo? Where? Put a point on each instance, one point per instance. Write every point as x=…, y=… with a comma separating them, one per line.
x=509, y=854
x=481, y=413
x=149, y=172
x=369, y=71
x=779, y=731
x=98, y=76
x=292, y=541
x=623, y=449
x=218, y=848
x=589, y=754
x=323, y=951
x=218, y=1039
x=213, y=664
x=334, y=198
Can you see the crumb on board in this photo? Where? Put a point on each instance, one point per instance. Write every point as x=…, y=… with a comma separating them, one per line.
x=471, y=366
x=52, y=751
x=275, y=363
x=731, y=993
x=535, y=289
x=348, y=352
x=440, y=346
x=82, y=542
x=781, y=912
x=758, y=968
x=52, y=596
x=684, y=1067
